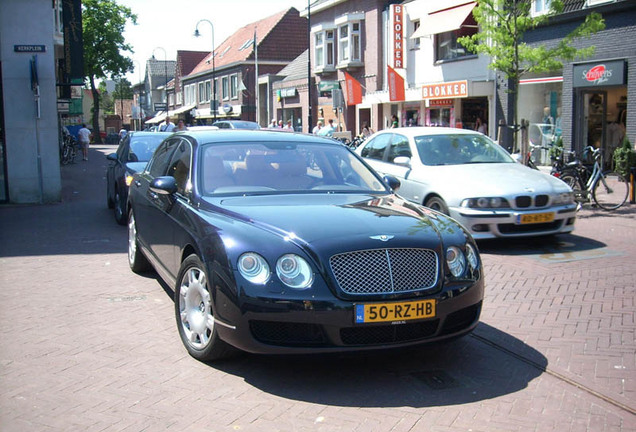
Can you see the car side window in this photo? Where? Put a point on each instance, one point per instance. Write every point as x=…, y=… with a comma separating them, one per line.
x=122, y=150
x=179, y=166
x=399, y=147
x=376, y=148
x=159, y=163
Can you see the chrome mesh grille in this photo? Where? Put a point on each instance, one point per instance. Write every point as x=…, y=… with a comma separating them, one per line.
x=385, y=271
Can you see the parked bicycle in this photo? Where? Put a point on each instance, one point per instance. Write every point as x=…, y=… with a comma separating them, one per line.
x=528, y=160
x=608, y=189
x=68, y=152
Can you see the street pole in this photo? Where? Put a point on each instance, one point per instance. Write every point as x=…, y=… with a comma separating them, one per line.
x=197, y=34
x=310, y=121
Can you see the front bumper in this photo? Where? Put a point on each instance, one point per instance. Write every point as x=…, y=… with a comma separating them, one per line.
x=487, y=224
x=284, y=326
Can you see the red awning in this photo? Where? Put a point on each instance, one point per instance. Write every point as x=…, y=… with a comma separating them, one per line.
x=444, y=20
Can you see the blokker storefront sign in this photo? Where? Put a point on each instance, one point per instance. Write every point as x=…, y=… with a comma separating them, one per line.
x=599, y=74
x=452, y=89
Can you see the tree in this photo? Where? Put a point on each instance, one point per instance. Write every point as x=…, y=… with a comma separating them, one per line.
x=106, y=102
x=103, y=23
x=502, y=25
x=123, y=89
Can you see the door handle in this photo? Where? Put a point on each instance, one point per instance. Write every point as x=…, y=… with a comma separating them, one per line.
x=137, y=183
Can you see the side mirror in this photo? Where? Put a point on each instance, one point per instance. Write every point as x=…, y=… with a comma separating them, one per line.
x=112, y=157
x=393, y=182
x=166, y=185
x=403, y=161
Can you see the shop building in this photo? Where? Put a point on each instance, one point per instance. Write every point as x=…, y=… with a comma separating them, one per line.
x=590, y=101
x=446, y=84
x=224, y=84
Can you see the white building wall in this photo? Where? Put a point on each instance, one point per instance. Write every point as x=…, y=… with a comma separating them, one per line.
x=32, y=146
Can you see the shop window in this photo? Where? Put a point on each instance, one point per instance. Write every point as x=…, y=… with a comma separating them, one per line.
x=349, y=48
x=446, y=45
x=324, y=50
x=202, y=92
x=234, y=86
x=540, y=7
x=225, y=88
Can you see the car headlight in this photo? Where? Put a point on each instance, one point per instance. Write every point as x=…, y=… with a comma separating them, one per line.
x=294, y=271
x=129, y=179
x=486, y=203
x=564, y=198
x=254, y=268
x=471, y=257
x=456, y=261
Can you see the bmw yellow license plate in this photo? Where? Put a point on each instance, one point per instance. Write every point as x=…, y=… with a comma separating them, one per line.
x=533, y=218
x=389, y=312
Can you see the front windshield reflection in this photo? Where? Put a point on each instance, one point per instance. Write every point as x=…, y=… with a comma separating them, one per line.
x=263, y=168
x=459, y=149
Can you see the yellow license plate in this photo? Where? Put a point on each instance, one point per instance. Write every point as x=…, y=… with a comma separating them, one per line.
x=388, y=312
x=535, y=218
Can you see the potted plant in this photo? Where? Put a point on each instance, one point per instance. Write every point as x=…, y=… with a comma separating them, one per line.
x=624, y=158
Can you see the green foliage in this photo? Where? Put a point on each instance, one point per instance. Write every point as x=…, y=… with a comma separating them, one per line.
x=123, y=89
x=103, y=25
x=624, y=158
x=556, y=150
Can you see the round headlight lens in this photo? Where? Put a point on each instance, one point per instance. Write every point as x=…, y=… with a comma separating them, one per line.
x=471, y=257
x=482, y=202
x=294, y=271
x=254, y=268
x=456, y=261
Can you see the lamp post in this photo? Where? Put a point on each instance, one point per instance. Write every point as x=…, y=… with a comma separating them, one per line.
x=139, y=94
x=165, y=70
x=197, y=34
x=309, y=116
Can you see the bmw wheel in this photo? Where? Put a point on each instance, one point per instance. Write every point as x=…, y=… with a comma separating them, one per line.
x=438, y=204
x=194, y=313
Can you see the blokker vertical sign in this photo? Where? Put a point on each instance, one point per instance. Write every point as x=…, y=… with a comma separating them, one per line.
x=397, y=12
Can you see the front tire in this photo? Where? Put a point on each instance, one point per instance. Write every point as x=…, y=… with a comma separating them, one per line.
x=120, y=207
x=438, y=204
x=136, y=259
x=194, y=313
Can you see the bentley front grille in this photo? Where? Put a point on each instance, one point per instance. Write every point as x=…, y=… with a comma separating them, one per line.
x=385, y=271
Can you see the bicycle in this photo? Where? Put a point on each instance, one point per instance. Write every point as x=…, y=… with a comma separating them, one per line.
x=608, y=189
x=528, y=161
x=68, y=152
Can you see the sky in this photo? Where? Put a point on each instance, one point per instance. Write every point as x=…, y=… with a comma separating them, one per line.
x=169, y=25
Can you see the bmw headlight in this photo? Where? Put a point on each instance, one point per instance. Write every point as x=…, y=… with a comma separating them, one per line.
x=564, y=198
x=456, y=261
x=486, y=203
x=129, y=179
x=471, y=257
x=254, y=268
x=294, y=271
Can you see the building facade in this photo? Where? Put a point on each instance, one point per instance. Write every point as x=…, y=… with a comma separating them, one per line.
x=38, y=64
x=590, y=101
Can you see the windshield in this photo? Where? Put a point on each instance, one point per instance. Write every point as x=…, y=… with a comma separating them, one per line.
x=459, y=149
x=143, y=147
x=252, y=168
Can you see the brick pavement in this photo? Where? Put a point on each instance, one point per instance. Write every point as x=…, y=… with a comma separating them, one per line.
x=86, y=345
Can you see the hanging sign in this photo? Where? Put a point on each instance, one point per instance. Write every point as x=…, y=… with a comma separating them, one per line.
x=397, y=12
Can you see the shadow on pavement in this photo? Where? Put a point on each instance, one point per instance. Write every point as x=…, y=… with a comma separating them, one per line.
x=463, y=371
x=564, y=243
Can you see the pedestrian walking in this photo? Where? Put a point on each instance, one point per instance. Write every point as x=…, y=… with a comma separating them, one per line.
x=84, y=137
x=317, y=127
x=180, y=126
x=167, y=126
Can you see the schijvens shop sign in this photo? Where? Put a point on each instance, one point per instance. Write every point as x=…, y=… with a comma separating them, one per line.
x=599, y=74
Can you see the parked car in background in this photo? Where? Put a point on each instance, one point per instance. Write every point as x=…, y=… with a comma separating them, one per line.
x=466, y=175
x=289, y=243
x=132, y=155
x=236, y=124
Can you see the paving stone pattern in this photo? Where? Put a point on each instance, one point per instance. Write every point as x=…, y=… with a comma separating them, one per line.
x=86, y=345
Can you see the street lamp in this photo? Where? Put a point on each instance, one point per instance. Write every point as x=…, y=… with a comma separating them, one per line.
x=197, y=34
x=165, y=65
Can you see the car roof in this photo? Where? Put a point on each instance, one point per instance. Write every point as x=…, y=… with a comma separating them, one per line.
x=428, y=130
x=261, y=135
x=145, y=133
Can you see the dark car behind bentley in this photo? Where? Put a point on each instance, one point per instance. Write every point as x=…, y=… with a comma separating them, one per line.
x=287, y=243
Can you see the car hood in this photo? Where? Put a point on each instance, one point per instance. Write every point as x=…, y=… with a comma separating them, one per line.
x=348, y=221
x=135, y=167
x=479, y=180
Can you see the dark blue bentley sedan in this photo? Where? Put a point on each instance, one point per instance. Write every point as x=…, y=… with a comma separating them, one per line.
x=289, y=243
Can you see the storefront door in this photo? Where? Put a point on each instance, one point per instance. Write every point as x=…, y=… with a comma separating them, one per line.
x=592, y=114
